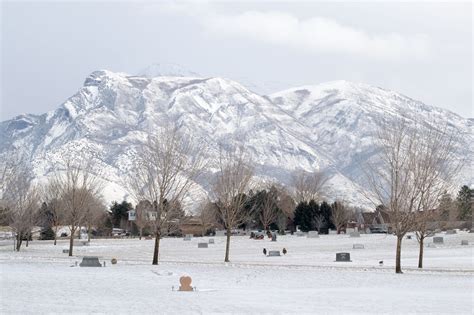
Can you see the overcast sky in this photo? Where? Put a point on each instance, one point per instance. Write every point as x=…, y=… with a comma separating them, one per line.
x=422, y=50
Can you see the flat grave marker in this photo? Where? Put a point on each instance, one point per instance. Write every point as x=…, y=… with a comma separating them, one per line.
x=90, y=261
x=354, y=234
x=438, y=240
x=464, y=242
x=451, y=232
x=203, y=245
x=211, y=241
x=358, y=246
x=273, y=253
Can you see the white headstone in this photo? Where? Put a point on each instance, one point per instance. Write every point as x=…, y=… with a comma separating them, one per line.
x=354, y=234
x=358, y=246
x=312, y=234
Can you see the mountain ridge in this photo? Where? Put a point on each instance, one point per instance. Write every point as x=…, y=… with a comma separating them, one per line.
x=327, y=126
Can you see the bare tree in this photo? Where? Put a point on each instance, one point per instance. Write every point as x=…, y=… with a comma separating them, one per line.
x=309, y=186
x=77, y=188
x=268, y=207
x=208, y=215
x=408, y=169
x=232, y=182
x=165, y=171
x=52, y=198
x=142, y=217
x=19, y=198
x=340, y=215
x=286, y=207
x=94, y=211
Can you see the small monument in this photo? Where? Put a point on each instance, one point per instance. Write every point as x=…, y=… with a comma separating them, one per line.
x=185, y=282
x=188, y=237
x=90, y=261
x=438, y=240
x=299, y=233
x=203, y=245
x=354, y=234
x=358, y=246
x=451, y=232
x=113, y=261
x=211, y=241
x=65, y=251
x=284, y=251
x=312, y=234
x=343, y=257
x=464, y=242
x=274, y=237
x=273, y=253
x=408, y=237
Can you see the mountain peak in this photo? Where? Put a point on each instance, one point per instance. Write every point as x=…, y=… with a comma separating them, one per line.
x=167, y=70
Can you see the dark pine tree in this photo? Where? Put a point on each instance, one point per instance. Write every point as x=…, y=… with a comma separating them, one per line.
x=304, y=216
x=465, y=203
x=120, y=212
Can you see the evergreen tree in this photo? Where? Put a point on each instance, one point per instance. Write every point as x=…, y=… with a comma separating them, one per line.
x=465, y=203
x=120, y=212
x=303, y=216
x=325, y=212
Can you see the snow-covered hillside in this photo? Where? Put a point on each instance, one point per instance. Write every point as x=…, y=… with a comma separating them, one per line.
x=328, y=126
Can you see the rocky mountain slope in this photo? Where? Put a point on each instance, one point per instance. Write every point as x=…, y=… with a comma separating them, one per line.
x=328, y=126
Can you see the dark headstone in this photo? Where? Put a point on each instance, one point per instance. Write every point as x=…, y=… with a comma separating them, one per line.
x=90, y=261
x=66, y=251
x=343, y=257
x=203, y=245
x=438, y=240
x=273, y=253
x=451, y=232
x=211, y=241
x=408, y=237
x=464, y=242
x=274, y=237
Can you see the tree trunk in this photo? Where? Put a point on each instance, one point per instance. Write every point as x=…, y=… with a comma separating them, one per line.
x=27, y=239
x=71, y=242
x=55, y=234
x=18, y=241
x=227, y=246
x=398, y=259
x=140, y=235
x=89, y=233
x=420, y=256
x=156, y=250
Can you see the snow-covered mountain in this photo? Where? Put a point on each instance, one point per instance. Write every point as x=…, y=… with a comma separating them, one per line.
x=328, y=126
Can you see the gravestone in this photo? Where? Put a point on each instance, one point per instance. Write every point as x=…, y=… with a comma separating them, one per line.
x=343, y=257
x=354, y=234
x=220, y=233
x=274, y=237
x=299, y=233
x=464, y=242
x=187, y=237
x=358, y=246
x=65, y=251
x=211, y=241
x=114, y=261
x=437, y=231
x=273, y=253
x=90, y=261
x=312, y=234
x=185, y=282
x=203, y=245
x=438, y=240
x=408, y=237
x=451, y=232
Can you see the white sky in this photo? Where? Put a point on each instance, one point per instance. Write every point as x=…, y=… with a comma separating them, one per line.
x=423, y=50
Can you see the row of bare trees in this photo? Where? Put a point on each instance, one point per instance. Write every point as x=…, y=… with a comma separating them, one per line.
x=415, y=166
x=72, y=195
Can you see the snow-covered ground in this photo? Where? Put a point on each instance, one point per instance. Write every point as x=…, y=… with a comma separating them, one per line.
x=306, y=280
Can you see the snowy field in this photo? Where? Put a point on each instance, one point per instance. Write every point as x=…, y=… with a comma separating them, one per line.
x=307, y=280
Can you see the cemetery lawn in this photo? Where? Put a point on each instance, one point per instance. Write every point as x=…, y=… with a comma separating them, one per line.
x=307, y=280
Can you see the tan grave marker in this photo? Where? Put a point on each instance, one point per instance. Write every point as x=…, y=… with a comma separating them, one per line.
x=185, y=283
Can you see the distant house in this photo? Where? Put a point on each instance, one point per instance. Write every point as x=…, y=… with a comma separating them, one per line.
x=192, y=225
